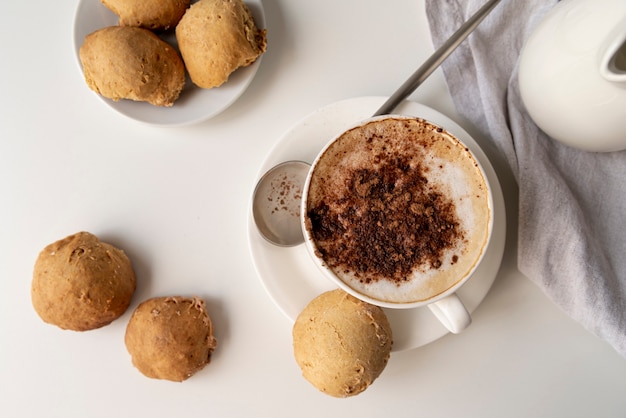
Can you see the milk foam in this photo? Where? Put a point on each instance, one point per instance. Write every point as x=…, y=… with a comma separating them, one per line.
x=451, y=170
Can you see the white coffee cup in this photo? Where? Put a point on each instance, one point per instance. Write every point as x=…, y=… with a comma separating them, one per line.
x=398, y=212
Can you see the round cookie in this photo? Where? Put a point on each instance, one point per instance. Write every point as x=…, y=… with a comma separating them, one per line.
x=124, y=62
x=216, y=37
x=149, y=14
x=341, y=344
x=170, y=338
x=81, y=283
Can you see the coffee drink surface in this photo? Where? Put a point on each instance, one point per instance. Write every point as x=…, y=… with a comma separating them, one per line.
x=398, y=209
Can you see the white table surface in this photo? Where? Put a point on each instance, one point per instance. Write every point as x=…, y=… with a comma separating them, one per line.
x=176, y=200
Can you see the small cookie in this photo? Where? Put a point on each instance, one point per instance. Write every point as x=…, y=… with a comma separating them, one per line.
x=170, y=338
x=216, y=37
x=81, y=283
x=123, y=62
x=149, y=14
x=341, y=343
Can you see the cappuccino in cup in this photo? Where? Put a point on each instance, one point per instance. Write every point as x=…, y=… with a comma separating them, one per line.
x=398, y=211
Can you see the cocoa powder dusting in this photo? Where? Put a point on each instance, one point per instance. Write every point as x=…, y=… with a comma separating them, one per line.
x=392, y=223
x=285, y=195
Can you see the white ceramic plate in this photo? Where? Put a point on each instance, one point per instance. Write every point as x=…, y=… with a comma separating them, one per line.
x=195, y=104
x=288, y=274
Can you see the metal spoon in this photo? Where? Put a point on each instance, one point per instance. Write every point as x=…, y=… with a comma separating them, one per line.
x=276, y=203
x=278, y=194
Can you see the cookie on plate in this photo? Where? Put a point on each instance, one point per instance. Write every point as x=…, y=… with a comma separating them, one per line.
x=124, y=62
x=149, y=14
x=216, y=37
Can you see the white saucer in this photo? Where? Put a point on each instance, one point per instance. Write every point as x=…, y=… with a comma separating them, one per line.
x=194, y=104
x=289, y=275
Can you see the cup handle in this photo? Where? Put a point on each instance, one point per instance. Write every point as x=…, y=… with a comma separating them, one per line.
x=452, y=313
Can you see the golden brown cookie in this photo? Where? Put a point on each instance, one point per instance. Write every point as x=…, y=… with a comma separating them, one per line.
x=81, y=283
x=341, y=343
x=216, y=37
x=170, y=338
x=123, y=62
x=149, y=14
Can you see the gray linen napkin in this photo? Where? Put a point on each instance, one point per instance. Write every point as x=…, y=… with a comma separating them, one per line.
x=572, y=229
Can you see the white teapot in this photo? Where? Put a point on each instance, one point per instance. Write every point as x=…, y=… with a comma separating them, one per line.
x=572, y=74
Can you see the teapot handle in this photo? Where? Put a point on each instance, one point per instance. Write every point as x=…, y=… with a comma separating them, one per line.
x=613, y=64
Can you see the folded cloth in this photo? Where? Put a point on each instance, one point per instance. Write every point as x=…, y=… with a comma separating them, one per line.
x=572, y=203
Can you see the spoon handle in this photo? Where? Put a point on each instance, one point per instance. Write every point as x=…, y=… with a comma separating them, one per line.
x=435, y=60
